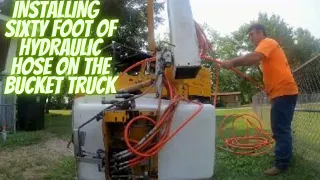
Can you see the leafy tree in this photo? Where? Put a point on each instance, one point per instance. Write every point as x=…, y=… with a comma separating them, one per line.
x=306, y=46
x=132, y=29
x=228, y=47
x=132, y=15
x=6, y=7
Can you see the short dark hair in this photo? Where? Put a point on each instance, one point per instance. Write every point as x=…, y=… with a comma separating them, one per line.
x=257, y=27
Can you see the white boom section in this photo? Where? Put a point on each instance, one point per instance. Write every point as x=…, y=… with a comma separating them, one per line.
x=183, y=36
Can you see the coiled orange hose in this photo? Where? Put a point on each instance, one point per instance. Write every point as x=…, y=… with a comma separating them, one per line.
x=257, y=144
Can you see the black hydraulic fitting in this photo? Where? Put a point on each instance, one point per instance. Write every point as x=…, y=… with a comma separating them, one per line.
x=109, y=102
x=125, y=96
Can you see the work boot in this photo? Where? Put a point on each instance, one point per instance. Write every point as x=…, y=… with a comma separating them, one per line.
x=272, y=171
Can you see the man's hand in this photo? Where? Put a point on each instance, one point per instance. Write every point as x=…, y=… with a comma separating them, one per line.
x=227, y=64
x=246, y=60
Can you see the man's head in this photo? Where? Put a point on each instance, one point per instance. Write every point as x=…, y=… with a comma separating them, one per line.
x=256, y=33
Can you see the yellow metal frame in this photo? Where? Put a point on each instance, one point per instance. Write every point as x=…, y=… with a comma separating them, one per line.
x=136, y=132
x=199, y=86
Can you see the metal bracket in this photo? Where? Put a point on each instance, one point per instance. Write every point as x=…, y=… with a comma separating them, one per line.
x=94, y=159
x=82, y=138
x=164, y=59
x=89, y=159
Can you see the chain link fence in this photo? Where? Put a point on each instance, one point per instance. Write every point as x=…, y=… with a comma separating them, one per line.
x=7, y=110
x=306, y=123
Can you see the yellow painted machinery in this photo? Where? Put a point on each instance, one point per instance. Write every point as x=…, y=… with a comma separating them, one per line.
x=198, y=88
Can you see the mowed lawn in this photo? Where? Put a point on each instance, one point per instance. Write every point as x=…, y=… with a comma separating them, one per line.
x=60, y=164
x=41, y=155
x=235, y=167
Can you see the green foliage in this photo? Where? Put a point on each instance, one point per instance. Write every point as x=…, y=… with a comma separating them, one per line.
x=132, y=32
x=6, y=7
x=306, y=46
x=132, y=15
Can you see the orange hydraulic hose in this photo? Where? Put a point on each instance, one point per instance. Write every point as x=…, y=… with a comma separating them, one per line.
x=154, y=150
x=167, y=114
x=253, y=145
x=233, y=144
x=207, y=58
x=131, y=148
x=257, y=144
x=158, y=125
x=136, y=65
x=166, y=118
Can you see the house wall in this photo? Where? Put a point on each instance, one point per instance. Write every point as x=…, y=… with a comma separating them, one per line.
x=231, y=100
x=7, y=101
x=7, y=109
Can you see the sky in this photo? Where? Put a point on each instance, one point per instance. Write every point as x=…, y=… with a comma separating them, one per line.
x=226, y=16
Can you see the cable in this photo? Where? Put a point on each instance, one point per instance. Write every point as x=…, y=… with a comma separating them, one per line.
x=207, y=58
x=159, y=145
x=142, y=150
x=136, y=65
x=257, y=144
x=253, y=145
x=98, y=115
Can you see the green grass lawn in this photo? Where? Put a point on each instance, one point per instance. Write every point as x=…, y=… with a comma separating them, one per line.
x=234, y=167
x=58, y=122
x=39, y=155
x=58, y=167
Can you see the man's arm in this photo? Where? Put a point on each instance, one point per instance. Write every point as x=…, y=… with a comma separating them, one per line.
x=263, y=51
x=247, y=60
x=250, y=59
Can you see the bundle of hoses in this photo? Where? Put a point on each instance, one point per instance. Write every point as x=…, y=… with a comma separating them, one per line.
x=156, y=138
x=160, y=134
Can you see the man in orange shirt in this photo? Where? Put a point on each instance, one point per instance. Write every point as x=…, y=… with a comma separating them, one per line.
x=280, y=87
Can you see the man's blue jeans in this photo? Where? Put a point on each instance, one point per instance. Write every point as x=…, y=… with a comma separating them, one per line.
x=282, y=110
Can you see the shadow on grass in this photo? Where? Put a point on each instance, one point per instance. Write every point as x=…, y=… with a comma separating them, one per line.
x=20, y=139
x=59, y=125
